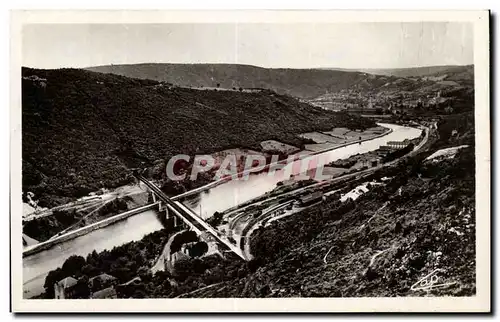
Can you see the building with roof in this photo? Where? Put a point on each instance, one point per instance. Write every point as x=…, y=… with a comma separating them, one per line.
x=311, y=198
x=384, y=150
x=398, y=144
x=65, y=288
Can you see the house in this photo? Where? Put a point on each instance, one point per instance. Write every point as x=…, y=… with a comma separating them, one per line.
x=102, y=281
x=175, y=257
x=107, y=293
x=65, y=288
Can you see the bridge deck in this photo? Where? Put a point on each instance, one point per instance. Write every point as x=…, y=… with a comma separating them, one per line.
x=213, y=231
x=188, y=216
x=197, y=228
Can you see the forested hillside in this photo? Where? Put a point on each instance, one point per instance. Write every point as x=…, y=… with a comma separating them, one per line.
x=82, y=130
x=303, y=83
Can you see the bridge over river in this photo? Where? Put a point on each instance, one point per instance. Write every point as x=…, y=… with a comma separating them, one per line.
x=192, y=220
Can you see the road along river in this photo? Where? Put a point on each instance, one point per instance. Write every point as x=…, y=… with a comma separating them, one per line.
x=219, y=198
x=236, y=192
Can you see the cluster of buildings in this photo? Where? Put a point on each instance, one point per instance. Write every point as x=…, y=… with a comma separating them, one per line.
x=392, y=146
x=388, y=101
x=102, y=286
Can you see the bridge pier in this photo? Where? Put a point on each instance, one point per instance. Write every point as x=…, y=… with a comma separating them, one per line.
x=161, y=205
x=187, y=216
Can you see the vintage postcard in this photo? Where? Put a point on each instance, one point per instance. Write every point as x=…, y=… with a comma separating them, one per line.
x=250, y=161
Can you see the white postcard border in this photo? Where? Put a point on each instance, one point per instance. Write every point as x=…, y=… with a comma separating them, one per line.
x=478, y=303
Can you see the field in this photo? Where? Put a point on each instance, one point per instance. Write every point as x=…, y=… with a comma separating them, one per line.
x=338, y=136
x=276, y=146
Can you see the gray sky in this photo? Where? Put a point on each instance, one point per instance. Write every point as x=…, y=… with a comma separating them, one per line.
x=343, y=45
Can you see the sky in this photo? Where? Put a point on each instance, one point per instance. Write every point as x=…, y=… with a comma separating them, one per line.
x=305, y=45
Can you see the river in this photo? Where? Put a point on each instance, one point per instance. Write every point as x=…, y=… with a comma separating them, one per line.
x=218, y=198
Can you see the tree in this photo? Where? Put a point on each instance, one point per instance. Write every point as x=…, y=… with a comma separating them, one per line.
x=52, y=278
x=139, y=293
x=218, y=85
x=216, y=219
x=73, y=265
x=183, y=268
x=254, y=264
x=199, y=249
x=145, y=274
x=82, y=290
x=181, y=239
x=90, y=270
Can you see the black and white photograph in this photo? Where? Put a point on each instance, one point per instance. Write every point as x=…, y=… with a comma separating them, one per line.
x=294, y=158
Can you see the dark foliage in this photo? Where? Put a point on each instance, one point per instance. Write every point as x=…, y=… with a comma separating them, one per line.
x=269, y=244
x=181, y=239
x=44, y=228
x=124, y=262
x=216, y=219
x=199, y=249
x=71, y=267
x=398, y=153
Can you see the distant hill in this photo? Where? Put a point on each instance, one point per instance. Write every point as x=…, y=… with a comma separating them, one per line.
x=423, y=71
x=302, y=83
x=82, y=130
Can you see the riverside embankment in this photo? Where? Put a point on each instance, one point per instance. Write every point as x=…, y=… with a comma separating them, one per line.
x=85, y=230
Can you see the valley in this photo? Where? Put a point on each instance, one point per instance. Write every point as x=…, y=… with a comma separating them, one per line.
x=279, y=223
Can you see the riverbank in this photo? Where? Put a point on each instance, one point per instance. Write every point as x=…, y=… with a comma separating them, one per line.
x=269, y=196
x=267, y=204
x=85, y=230
x=300, y=155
